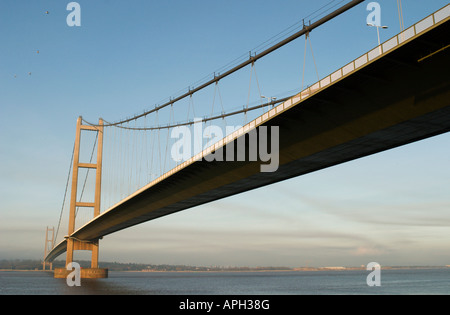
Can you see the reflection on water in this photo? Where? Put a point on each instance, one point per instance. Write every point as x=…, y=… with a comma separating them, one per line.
x=423, y=281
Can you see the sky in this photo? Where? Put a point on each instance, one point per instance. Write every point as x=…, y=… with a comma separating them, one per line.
x=127, y=56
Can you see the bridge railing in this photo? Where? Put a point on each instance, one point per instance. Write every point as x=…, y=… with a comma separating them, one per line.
x=402, y=38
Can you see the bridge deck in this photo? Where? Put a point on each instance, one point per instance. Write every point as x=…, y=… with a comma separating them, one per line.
x=375, y=103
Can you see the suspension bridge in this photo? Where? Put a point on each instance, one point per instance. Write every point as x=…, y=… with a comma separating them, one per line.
x=396, y=93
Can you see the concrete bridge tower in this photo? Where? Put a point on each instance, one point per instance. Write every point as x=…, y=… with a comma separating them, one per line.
x=74, y=244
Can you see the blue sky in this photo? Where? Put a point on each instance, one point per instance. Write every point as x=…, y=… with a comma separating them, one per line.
x=128, y=56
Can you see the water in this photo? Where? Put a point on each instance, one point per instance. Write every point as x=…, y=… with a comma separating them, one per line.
x=347, y=282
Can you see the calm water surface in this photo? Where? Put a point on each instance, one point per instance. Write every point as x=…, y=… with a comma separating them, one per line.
x=406, y=281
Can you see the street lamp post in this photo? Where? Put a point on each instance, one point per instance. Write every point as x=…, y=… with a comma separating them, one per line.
x=378, y=32
x=269, y=99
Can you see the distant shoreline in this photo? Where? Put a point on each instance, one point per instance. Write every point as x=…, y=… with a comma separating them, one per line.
x=26, y=270
x=225, y=270
x=299, y=269
x=36, y=265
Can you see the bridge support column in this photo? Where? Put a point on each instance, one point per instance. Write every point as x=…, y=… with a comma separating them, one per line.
x=49, y=240
x=74, y=244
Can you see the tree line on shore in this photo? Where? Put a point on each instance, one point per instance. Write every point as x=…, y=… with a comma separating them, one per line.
x=29, y=264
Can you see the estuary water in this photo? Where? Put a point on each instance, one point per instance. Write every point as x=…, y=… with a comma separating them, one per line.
x=345, y=282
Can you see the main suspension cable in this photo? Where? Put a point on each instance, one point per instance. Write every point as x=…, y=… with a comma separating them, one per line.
x=222, y=116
